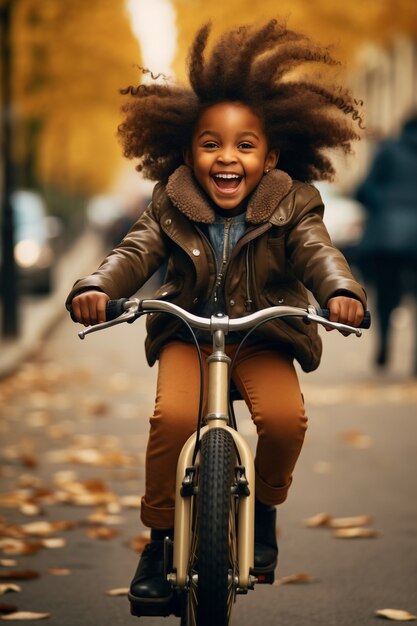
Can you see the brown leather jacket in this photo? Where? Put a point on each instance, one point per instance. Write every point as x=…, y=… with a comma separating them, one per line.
x=285, y=251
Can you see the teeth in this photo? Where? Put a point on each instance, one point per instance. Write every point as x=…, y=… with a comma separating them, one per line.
x=227, y=176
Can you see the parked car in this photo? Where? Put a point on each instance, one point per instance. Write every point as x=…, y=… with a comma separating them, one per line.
x=34, y=234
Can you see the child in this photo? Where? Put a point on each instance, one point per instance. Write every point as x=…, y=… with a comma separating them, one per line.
x=240, y=230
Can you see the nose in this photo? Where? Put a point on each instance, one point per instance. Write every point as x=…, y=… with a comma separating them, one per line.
x=227, y=154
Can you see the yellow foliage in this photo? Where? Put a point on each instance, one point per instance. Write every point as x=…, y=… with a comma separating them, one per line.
x=344, y=25
x=69, y=61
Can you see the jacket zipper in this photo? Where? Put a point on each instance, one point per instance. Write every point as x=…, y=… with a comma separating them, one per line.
x=249, y=301
x=221, y=270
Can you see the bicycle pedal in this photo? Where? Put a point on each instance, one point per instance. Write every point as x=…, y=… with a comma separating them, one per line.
x=264, y=578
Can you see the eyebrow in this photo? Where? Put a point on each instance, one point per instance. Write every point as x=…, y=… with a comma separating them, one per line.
x=244, y=133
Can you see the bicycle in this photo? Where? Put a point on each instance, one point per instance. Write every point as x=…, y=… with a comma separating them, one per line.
x=211, y=558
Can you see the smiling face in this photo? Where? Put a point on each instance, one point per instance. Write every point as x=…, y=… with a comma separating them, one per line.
x=229, y=154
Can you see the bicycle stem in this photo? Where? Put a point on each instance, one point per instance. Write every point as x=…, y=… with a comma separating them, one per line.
x=218, y=363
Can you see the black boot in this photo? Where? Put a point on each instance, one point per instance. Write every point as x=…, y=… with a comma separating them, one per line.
x=150, y=593
x=266, y=547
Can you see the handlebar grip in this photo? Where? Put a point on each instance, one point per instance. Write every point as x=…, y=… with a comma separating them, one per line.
x=114, y=308
x=366, y=322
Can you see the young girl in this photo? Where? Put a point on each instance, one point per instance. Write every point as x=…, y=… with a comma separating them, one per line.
x=240, y=229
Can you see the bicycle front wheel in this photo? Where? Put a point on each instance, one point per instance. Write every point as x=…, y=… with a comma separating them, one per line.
x=216, y=531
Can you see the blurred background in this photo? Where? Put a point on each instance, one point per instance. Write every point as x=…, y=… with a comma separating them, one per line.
x=62, y=65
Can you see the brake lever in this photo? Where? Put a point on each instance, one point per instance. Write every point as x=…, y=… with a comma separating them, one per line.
x=313, y=317
x=128, y=316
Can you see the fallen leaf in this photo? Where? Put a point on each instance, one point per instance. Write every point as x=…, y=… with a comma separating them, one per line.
x=59, y=571
x=323, y=467
x=52, y=543
x=119, y=382
x=39, y=418
x=44, y=528
x=356, y=439
x=318, y=521
x=91, y=456
x=130, y=502
x=12, y=531
x=11, y=499
x=102, y=532
x=96, y=407
x=64, y=477
x=355, y=533
x=349, y=522
x=294, y=578
x=120, y=591
x=29, y=481
x=14, y=574
x=6, y=587
x=102, y=517
x=139, y=542
x=30, y=509
x=397, y=615
x=113, y=508
x=18, y=547
x=25, y=615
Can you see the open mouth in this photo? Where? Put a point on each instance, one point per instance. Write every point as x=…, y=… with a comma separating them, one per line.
x=227, y=182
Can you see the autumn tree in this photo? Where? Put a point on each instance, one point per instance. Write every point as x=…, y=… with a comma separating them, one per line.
x=69, y=61
x=344, y=25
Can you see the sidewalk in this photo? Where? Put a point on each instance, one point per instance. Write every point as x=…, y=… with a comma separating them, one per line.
x=38, y=315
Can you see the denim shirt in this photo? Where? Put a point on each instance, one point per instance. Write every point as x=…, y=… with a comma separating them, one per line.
x=223, y=235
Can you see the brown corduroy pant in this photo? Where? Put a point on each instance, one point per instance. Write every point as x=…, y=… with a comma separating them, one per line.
x=269, y=385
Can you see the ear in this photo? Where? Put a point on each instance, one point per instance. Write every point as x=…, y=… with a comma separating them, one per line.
x=271, y=160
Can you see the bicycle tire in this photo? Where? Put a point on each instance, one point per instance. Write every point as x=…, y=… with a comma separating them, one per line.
x=216, y=529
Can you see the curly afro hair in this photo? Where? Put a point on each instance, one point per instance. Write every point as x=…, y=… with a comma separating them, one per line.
x=302, y=118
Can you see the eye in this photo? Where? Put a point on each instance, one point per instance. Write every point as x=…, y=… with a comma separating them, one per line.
x=210, y=145
x=245, y=145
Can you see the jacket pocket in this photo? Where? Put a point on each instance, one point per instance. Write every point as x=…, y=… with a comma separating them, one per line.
x=169, y=291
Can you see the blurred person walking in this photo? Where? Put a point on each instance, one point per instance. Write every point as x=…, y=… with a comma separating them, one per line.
x=388, y=250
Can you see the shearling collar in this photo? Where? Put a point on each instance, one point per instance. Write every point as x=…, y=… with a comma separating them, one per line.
x=185, y=193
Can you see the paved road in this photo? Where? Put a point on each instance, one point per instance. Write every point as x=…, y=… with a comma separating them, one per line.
x=82, y=407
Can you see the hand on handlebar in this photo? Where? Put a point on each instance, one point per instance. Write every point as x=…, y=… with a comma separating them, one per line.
x=346, y=311
x=89, y=307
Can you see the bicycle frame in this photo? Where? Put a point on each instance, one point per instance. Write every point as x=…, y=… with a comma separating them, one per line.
x=217, y=417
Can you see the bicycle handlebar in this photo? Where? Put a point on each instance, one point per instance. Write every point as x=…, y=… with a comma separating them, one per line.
x=125, y=310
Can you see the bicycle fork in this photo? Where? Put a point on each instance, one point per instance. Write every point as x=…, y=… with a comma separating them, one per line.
x=217, y=417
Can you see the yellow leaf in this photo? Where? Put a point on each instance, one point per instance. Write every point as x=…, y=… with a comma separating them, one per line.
x=102, y=532
x=294, y=578
x=355, y=533
x=397, y=615
x=6, y=587
x=349, y=522
x=356, y=439
x=120, y=591
x=52, y=543
x=59, y=571
x=318, y=521
x=139, y=542
x=130, y=502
